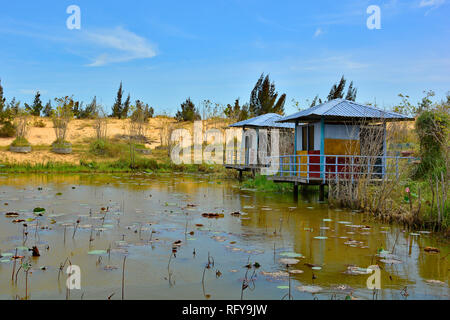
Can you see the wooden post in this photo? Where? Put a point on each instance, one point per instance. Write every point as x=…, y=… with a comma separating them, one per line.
x=322, y=192
x=240, y=175
x=296, y=191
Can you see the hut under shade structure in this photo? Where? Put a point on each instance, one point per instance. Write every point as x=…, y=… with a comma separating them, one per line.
x=338, y=139
x=254, y=148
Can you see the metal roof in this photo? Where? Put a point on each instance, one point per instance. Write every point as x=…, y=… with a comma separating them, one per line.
x=340, y=109
x=268, y=120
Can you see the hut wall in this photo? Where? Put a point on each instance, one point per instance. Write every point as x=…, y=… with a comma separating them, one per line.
x=341, y=139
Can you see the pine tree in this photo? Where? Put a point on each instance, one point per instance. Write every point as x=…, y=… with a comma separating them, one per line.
x=36, y=107
x=91, y=109
x=237, y=112
x=2, y=99
x=148, y=112
x=337, y=91
x=117, y=107
x=263, y=98
x=188, y=112
x=316, y=101
x=48, y=109
x=351, y=93
x=125, y=108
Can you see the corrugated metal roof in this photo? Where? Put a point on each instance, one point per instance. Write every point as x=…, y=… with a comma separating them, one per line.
x=340, y=108
x=267, y=120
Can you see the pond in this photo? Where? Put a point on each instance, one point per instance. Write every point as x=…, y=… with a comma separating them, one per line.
x=174, y=250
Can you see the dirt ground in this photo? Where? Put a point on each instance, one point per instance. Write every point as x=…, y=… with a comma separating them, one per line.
x=80, y=133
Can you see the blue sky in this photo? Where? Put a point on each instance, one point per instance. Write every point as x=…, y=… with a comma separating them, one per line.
x=166, y=51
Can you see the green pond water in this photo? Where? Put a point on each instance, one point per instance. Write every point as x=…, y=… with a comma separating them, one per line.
x=144, y=215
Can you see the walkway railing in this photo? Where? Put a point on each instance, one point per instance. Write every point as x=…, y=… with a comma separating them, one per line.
x=324, y=168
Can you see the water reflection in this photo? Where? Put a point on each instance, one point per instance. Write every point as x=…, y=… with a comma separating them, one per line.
x=144, y=214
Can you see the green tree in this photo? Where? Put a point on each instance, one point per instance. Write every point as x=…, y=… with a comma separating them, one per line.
x=264, y=99
x=148, y=112
x=188, y=112
x=125, y=108
x=405, y=107
x=337, y=90
x=316, y=101
x=432, y=127
x=351, y=93
x=36, y=107
x=2, y=99
x=48, y=109
x=237, y=111
x=117, y=107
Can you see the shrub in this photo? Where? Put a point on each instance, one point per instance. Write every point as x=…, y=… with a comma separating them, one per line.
x=38, y=123
x=8, y=130
x=432, y=130
x=188, y=112
x=104, y=148
x=20, y=142
x=61, y=144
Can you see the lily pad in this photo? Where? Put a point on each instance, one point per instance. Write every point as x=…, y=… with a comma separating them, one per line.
x=7, y=254
x=296, y=271
x=310, y=289
x=391, y=261
x=289, y=261
x=291, y=255
x=97, y=252
x=321, y=238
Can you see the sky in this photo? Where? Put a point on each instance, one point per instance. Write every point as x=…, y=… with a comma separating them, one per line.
x=167, y=51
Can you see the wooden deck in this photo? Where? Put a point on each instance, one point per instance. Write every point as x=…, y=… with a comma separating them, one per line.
x=242, y=167
x=313, y=181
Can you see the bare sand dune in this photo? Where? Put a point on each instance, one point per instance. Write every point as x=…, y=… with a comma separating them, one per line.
x=80, y=133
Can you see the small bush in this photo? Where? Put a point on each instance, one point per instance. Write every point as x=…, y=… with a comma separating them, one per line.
x=39, y=123
x=61, y=144
x=104, y=148
x=8, y=130
x=20, y=142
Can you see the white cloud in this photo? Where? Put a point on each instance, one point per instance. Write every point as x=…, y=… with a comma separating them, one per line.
x=431, y=3
x=318, y=32
x=124, y=46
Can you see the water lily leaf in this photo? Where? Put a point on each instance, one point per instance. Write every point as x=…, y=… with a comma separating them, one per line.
x=296, y=271
x=321, y=238
x=291, y=255
x=283, y=287
x=310, y=289
x=391, y=261
x=7, y=254
x=327, y=220
x=97, y=252
x=275, y=275
x=436, y=282
x=289, y=261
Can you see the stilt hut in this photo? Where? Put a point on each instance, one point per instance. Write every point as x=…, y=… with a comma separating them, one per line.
x=253, y=145
x=338, y=139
